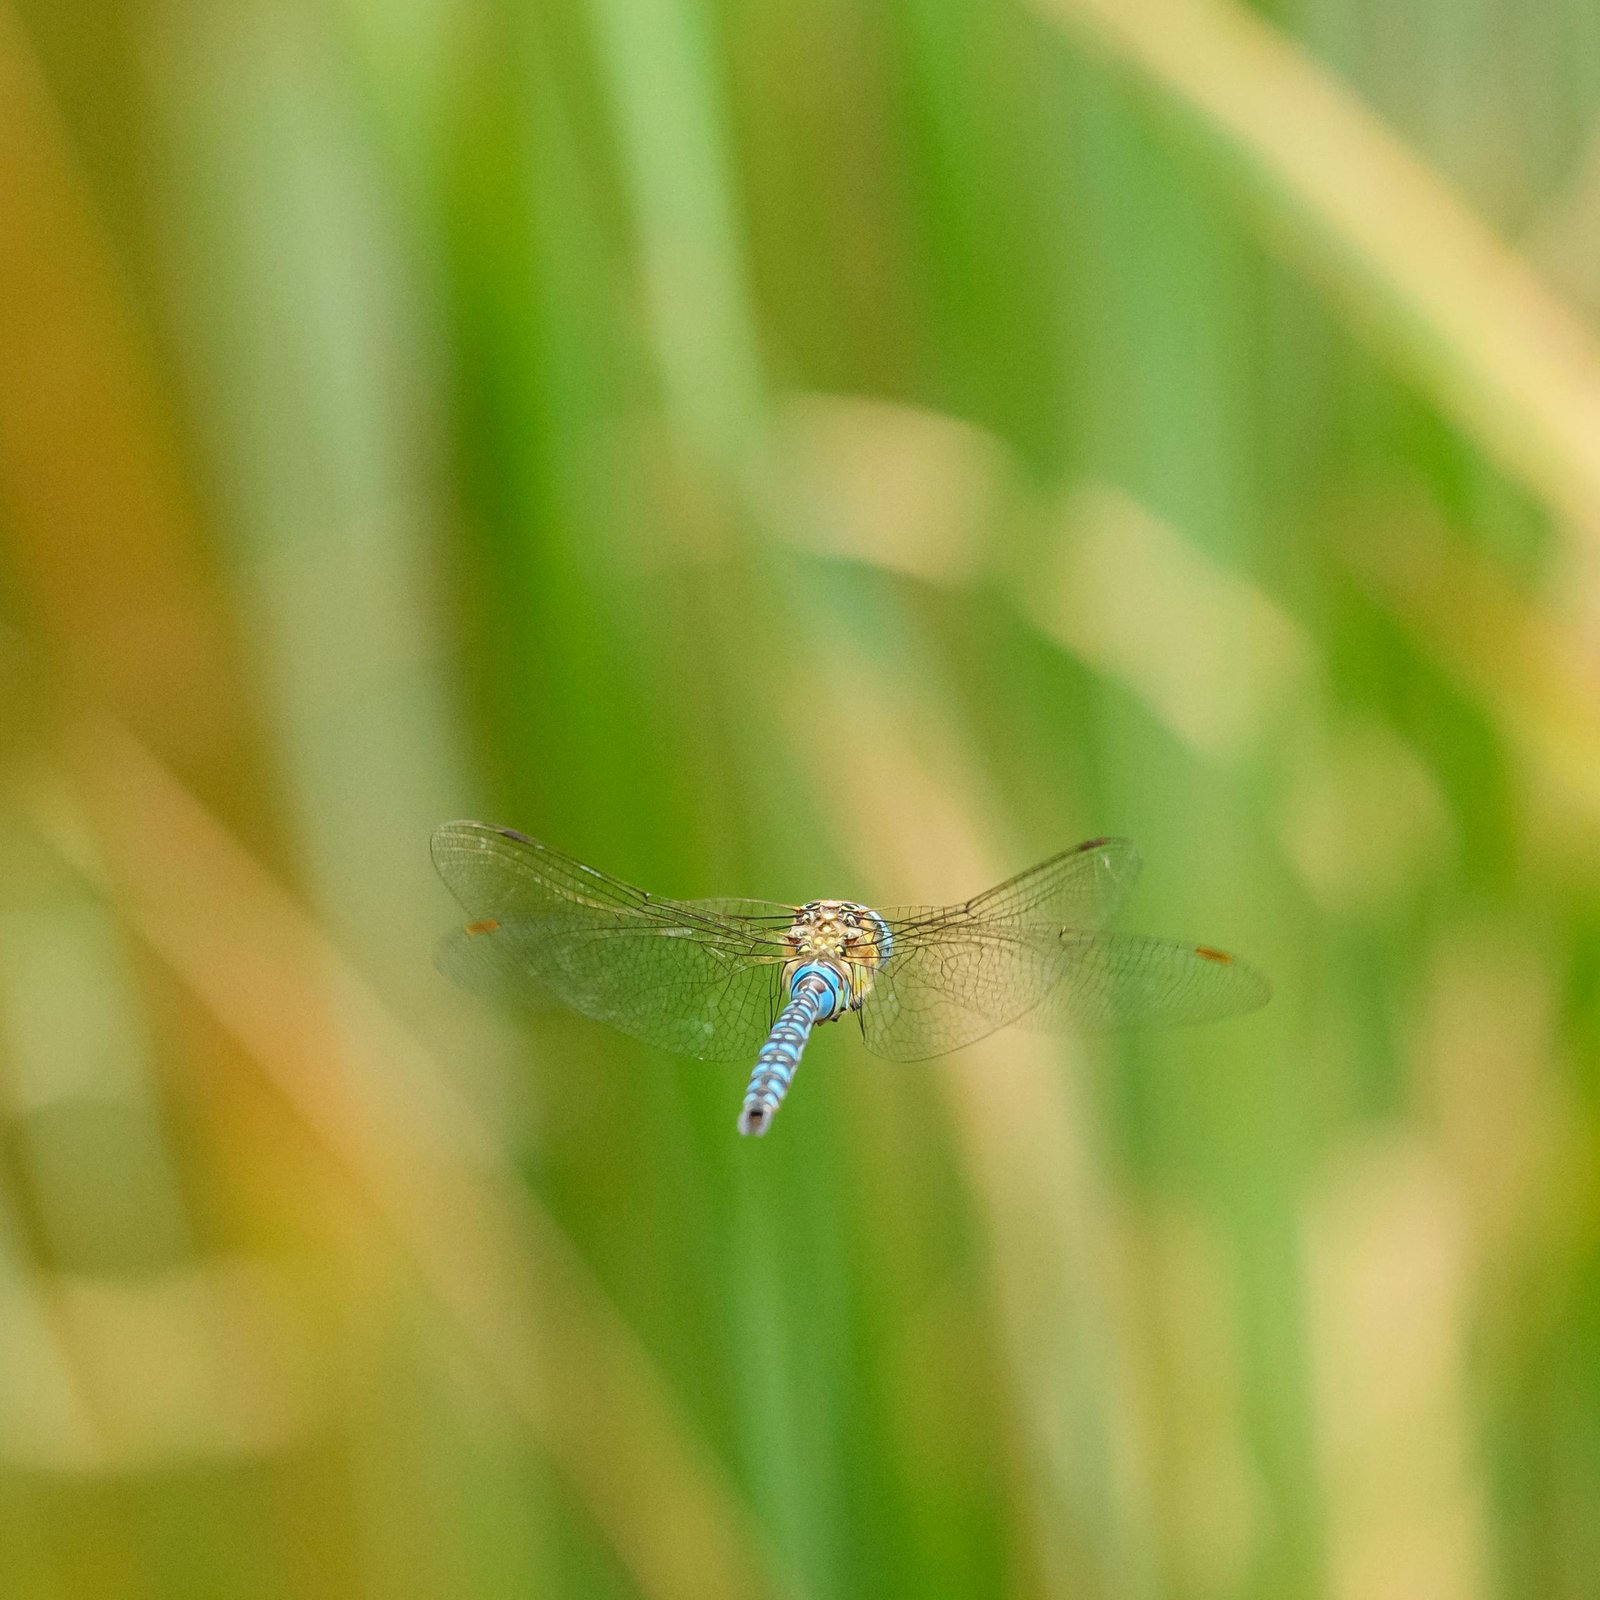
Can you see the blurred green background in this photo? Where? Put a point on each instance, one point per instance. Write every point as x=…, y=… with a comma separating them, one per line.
x=780, y=450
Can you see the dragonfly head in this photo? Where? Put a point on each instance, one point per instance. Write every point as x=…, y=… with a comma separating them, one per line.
x=837, y=928
x=854, y=938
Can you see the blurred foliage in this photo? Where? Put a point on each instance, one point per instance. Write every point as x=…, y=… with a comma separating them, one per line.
x=780, y=450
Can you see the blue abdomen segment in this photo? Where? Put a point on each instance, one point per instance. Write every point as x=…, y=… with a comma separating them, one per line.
x=817, y=993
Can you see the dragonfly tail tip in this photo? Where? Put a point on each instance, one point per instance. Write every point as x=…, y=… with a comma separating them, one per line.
x=754, y=1120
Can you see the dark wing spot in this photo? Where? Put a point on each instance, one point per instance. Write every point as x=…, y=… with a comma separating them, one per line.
x=488, y=925
x=1206, y=953
x=1093, y=844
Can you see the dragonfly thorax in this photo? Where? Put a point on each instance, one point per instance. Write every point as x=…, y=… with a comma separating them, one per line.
x=852, y=939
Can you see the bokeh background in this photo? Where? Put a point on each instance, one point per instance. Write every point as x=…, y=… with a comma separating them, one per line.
x=787, y=449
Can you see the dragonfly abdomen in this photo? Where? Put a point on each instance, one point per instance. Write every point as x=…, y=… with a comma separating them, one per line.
x=818, y=992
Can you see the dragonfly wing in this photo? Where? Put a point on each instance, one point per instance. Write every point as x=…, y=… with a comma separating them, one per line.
x=1109, y=979
x=498, y=870
x=684, y=975
x=1083, y=887
x=660, y=984
x=938, y=994
x=494, y=963
x=768, y=915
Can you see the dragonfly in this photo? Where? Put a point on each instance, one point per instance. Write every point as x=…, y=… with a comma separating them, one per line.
x=720, y=979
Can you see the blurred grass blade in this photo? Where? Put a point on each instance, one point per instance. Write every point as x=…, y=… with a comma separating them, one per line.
x=576, y=1375
x=106, y=560
x=670, y=116
x=1535, y=675
x=1023, y=1146
x=1468, y=317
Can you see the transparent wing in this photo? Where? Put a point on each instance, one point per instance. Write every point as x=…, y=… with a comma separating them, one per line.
x=494, y=962
x=762, y=915
x=943, y=994
x=933, y=996
x=689, y=976
x=497, y=871
x=1083, y=887
x=1109, y=979
x=658, y=984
